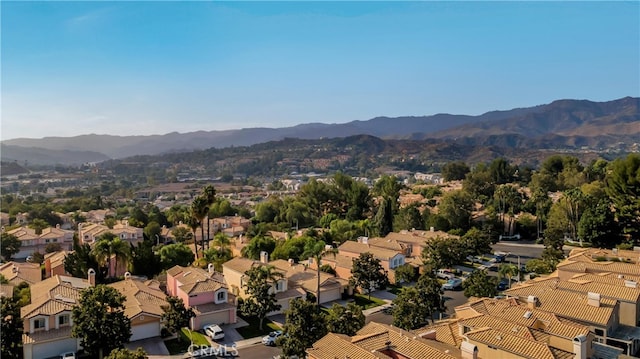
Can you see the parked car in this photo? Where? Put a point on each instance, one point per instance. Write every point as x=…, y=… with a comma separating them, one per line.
x=271, y=338
x=68, y=355
x=444, y=274
x=214, y=331
x=503, y=285
x=453, y=283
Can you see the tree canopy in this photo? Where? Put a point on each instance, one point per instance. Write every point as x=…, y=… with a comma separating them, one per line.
x=304, y=325
x=258, y=285
x=368, y=273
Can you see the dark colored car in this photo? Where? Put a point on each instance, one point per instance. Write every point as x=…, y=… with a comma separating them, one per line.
x=503, y=285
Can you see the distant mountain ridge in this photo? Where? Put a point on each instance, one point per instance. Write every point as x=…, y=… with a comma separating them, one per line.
x=562, y=123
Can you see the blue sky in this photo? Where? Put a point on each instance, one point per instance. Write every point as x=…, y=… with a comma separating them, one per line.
x=140, y=68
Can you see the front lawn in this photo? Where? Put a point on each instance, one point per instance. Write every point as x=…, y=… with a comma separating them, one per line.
x=252, y=331
x=395, y=289
x=363, y=301
x=178, y=347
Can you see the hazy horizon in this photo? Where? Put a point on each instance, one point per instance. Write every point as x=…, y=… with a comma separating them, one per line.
x=142, y=68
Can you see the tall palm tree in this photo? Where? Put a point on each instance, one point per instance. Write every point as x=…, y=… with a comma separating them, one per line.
x=508, y=271
x=316, y=251
x=199, y=209
x=107, y=248
x=194, y=224
x=209, y=193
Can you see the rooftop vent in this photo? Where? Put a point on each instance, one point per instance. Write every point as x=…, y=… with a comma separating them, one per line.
x=528, y=314
x=630, y=284
x=593, y=299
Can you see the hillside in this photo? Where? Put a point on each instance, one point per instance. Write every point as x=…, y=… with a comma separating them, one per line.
x=561, y=124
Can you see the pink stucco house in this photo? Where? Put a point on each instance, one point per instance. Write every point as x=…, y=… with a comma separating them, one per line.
x=205, y=291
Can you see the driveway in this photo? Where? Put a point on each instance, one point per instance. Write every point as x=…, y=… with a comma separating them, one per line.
x=152, y=346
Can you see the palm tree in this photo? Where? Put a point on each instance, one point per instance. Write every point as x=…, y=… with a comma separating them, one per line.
x=316, y=251
x=194, y=224
x=199, y=209
x=209, y=193
x=508, y=271
x=107, y=248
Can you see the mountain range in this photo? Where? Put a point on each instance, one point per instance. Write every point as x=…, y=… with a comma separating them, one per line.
x=557, y=125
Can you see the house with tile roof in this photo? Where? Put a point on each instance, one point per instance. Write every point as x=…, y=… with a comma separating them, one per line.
x=297, y=280
x=204, y=291
x=54, y=263
x=390, y=259
x=595, y=261
x=601, y=314
x=6, y=290
x=31, y=241
x=18, y=272
x=48, y=320
x=143, y=306
x=90, y=232
x=381, y=341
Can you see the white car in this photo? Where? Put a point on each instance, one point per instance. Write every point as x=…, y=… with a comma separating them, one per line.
x=452, y=284
x=214, y=331
x=271, y=338
x=68, y=355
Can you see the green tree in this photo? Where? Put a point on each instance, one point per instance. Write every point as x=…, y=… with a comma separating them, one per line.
x=538, y=266
x=152, y=230
x=209, y=193
x=456, y=207
x=52, y=247
x=509, y=202
x=476, y=242
x=117, y=249
x=408, y=218
x=368, y=273
x=405, y=273
x=453, y=171
x=598, y=226
x=38, y=225
x=181, y=234
x=175, y=315
x=9, y=246
x=443, y=252
x=128, y=354
x=259, y=285
x=144, y=261
x=78, y=263
x=176, y=254
x=388, y=187
x=623, y=186
x=258, y=244
x=199, y=210
x=304, y=325
x=316, y=251
x=99, y=320
x=345, y=320
x=479, y=284
x=11, y=329
x=414, y=306
x=383, y=221
x=508, y=271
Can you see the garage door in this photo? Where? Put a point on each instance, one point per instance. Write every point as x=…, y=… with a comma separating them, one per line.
x=330, y=295
x=221, y=317
x=143, y=331
x=55, y=348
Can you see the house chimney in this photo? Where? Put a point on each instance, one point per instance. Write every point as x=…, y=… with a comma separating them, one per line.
x=631, y=284
x=532, y=302
x=290, y=262
x=264, y=257
x=593, y=299
x=127, y=275
x=431, y=334
x=91, y=277
x=210, y=268
x=468, y=350
x=580, y=347
x=432, y=229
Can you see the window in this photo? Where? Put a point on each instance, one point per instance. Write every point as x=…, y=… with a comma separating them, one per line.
x=279, y=286
x=38, y=323
x=599, y=332
x=55, y=240
x=63, y=320
x=46, y=240
x=222, y=296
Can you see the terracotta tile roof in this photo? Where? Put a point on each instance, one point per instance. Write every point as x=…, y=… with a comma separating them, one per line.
x=240, y=264
x=299, y=275
x=381, y=337
x=17, y=273
x=387, y=243
x=513, y=312
x=140, y=298
x=213, y=307
x=332, y=345
x=417, y=237
x=446, y=331
x=359, y=248
x=607, y=277
x=583, y=285
x=522, y=347
x=6, y=290
x=569, y=305
x=54, y=295
x=197, y=280
x=338, y=260
x=56, y=258
x=46, y=335
x=291, y=293
x=581, y=264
